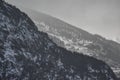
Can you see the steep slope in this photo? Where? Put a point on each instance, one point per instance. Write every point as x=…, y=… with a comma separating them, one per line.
x=117, y=40
x=27, y=54
x=75, y=39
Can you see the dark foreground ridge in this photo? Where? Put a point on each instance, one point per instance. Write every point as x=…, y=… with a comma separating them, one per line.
x=28, y=54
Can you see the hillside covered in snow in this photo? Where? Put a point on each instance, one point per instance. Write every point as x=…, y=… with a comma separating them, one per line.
x=28, y=54
x=78, y=40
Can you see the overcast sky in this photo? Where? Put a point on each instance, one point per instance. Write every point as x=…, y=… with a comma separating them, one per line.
x=95, y=16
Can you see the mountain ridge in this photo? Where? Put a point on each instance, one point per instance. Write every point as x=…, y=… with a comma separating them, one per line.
x=28, y=54
x=78, y=40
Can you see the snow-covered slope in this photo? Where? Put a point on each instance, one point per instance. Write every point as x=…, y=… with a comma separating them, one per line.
x=117, y=40
x=28, y=54
x=78, y=40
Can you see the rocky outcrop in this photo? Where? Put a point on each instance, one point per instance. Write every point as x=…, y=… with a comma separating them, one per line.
x=28, y=54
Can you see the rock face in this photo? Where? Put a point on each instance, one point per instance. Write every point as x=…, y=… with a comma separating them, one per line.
x=78, y=40
x=27, y=54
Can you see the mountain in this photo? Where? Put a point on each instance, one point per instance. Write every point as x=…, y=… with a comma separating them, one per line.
x=78, y=40
x=28, y=54
x=117, y=40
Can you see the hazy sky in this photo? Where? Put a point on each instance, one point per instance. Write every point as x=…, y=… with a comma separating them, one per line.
x=96, y=16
